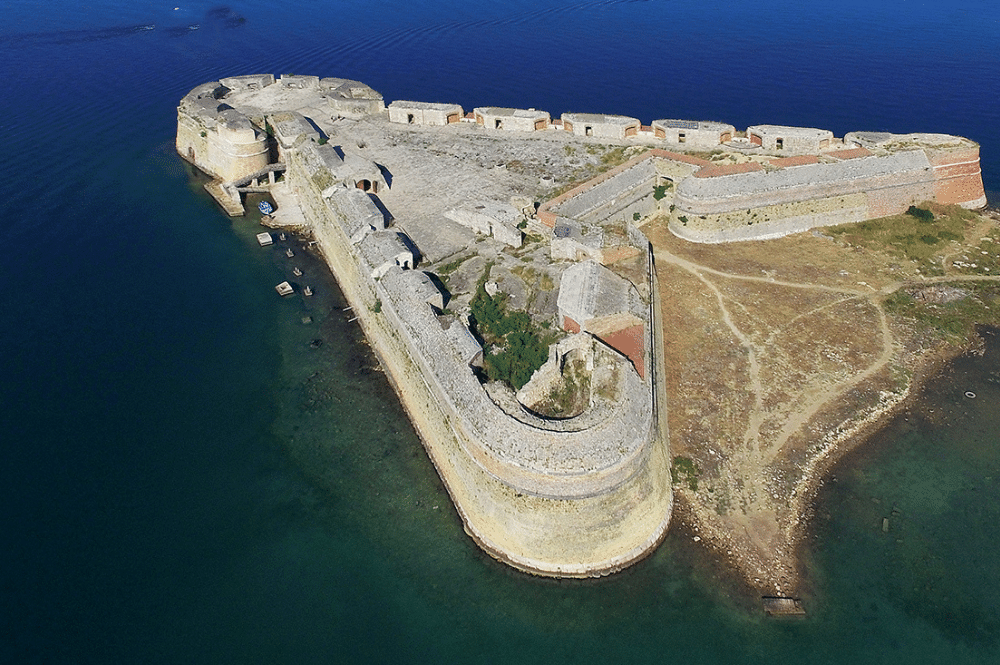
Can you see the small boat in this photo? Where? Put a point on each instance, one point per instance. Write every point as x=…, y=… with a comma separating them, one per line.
x=308, y=291
x=265, y=207
x=264, y=239
x=284, y=289
x=281, y=236
x=296, y=271
x=289, y=253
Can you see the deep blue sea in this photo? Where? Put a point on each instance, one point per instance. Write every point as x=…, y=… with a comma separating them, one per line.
x=184, y=478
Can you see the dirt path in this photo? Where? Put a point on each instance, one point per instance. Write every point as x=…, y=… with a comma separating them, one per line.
x=813, y=363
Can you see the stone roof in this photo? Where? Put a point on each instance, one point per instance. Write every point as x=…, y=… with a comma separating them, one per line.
x=289, y=126
x=590, y=291
x=327, y=155
x=599, y=118
x=885, y=139
x=703, y=125
x=348, y=89
x=462, y=340
x=300, y=82
x=797, y=132
x=381, y=248
x=416, y=288
x=248, y=81
x=354, y=211
x=425, y=106
x=512, y=113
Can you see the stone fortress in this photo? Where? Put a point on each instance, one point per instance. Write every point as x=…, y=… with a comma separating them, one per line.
x=579, y=494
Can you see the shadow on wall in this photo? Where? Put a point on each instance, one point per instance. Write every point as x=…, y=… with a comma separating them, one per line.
x=386, y=215
x=385, y=174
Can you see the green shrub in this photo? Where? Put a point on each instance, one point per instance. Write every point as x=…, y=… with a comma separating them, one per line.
x=922, y=214
x=513, y=349
x=684, y=469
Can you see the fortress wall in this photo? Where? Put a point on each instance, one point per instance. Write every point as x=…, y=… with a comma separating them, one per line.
x=896, y=198
x=558, y=461
x=584, y=537
x=772, y=221
x=625, y=192
x=550, y=210
x=552, y=459
x=958, y=177
x=761, y=205
x=190, y=143
x=235, y=156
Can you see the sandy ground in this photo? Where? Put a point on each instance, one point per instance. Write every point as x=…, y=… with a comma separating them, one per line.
x=780, y=357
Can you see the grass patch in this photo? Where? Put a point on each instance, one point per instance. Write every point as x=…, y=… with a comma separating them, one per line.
x=953, y=321
x=450, y=267
x=684, y=469
x=920, y=235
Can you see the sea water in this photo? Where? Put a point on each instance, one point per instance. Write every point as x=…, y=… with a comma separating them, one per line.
x=195, y=470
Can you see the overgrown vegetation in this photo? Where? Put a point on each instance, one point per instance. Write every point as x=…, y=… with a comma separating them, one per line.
x=684, y=469
x=450, y=267
x=920, y=234
x=512, y=348
x=608, y=158
x=660, y=191
x=572, y=396
x=955, y=320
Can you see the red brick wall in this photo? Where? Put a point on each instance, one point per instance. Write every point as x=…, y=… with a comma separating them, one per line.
x=957, y=176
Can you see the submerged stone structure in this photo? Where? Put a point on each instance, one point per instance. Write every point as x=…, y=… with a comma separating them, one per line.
x=588, y=492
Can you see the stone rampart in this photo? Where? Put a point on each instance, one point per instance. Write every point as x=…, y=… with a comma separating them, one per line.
x=536, y=498
x=768, y=204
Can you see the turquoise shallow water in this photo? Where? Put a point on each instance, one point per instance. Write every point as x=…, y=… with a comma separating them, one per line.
x=187, y=479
